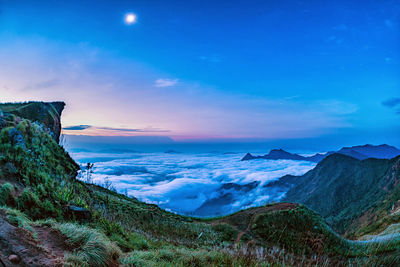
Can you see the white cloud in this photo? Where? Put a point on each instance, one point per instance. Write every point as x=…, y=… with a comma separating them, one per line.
x=166, y=82
x=184, y=182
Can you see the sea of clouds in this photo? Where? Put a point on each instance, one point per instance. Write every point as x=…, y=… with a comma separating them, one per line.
x=198, y=184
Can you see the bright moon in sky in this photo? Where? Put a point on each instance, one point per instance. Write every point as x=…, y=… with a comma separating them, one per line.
x=130, y=18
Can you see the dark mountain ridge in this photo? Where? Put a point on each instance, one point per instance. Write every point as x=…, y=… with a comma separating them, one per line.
x=342, y=188
x=359, y=152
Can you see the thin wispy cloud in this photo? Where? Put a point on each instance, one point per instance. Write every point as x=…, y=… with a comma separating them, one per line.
x=77, y=127
x=126, y=130
x=341, y=27
x=391, y=102
x=211, y=59
x=43, y=85
x=166, y=82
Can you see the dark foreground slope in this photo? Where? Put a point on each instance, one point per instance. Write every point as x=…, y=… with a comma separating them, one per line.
x=48, y=218
x=342, y=189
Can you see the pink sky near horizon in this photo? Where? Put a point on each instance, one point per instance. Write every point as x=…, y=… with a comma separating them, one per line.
x=142, y=97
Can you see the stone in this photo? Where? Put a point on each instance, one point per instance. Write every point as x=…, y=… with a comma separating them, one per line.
x=81, y=214
x=14, y=259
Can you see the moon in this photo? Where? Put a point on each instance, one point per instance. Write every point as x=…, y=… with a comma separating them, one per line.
x=130, y=18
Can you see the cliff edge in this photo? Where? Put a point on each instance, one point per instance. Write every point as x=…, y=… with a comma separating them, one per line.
x=46, y=113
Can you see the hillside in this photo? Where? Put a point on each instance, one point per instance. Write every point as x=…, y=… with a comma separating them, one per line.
x=49, y=218
x=342, y=189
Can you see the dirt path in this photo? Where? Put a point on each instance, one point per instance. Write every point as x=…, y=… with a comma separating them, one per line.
x=45, y=250
x=53, y=241
x=239, y=236
x=252, y=213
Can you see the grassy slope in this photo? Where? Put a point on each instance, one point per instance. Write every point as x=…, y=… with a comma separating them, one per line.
x=342, y=189
x=37, y=177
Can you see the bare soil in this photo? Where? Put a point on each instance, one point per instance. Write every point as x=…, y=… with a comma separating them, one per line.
x=47, y=249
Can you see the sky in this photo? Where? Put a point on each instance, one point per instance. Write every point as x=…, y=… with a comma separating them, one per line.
x=209, y=70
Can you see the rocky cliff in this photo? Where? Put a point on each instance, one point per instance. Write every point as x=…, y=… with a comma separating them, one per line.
x=47, y=114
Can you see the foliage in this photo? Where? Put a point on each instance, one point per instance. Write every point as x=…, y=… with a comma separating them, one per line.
x=6, y=194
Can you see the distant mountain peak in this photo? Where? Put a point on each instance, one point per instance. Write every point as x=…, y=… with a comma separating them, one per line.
x=360, y=152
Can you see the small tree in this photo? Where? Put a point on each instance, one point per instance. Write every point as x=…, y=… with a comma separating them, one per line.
x=89, y=171
x=107, y=183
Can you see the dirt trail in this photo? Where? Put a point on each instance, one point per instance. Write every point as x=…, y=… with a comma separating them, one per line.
x=239, y=236
x=47, y=250
x=253, y=214
x=53, y=241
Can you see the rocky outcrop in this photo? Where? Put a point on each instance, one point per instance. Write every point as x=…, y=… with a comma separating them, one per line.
x=47, y=114
x=78, y=213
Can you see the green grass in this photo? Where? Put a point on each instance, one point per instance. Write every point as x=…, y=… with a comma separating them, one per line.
x=171, y=257
x=92, y=248
x=17, y=218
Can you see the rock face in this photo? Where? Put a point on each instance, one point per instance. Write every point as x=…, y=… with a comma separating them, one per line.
x=47, y=114
x=14, y=259
x=79, y=213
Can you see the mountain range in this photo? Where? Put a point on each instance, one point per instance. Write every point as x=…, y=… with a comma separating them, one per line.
x=359, y=152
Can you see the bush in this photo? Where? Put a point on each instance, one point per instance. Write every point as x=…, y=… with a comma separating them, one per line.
x=6, y=194
x=226, y=231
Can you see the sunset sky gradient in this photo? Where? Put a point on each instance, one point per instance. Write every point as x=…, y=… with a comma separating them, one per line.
x=205, y=70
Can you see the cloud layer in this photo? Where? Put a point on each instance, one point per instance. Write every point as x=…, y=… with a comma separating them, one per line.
x=205, y=184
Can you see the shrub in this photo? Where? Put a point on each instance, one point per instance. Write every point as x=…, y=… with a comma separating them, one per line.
x=6, y=194
x=226, y=231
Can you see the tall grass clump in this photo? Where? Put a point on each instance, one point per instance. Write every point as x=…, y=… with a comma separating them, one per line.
x=92, y=248
x=17, y=218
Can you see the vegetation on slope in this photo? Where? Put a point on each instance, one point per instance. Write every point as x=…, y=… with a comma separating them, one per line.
x=342, y=189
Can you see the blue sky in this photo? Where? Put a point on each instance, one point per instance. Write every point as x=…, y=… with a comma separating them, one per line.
x=209, y=69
